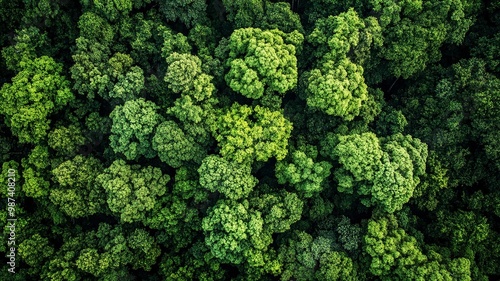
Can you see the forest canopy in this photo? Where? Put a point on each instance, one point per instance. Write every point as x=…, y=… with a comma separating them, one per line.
x=250, y=140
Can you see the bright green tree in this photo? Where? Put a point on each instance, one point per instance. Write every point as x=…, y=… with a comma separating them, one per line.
x=262, y=61
x=335, y=36
x=37, y=91
x=36, y=183
x=388, y=173
x=336, y=85
x=184, y=75
x=36, y=251
x=242, y=140
x=390, y=246
x=337, y=88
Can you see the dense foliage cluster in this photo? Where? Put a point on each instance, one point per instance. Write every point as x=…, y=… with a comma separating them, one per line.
x=250, y=140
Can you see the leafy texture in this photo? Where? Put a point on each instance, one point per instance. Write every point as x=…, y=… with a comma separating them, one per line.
x=305, y=175
x=133, y=125
x=261, y=61
x=388, y=173
x=37, y=91
x=132, y=190
x=243, y=140
x=219, y=175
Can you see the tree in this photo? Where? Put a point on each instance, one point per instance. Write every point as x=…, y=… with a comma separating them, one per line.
x=296, y=257
x=184, y=76
x=414, y=32
x=97, y=72
x=178, y=211
x=244, y=13
x=66, y=140
x=36, y=251
x=360, y=154
x=88, y=71
x=145, y=248
x=458, y=112
x=487, y=47
x=233, y=232
x=91, y=55
x=172, y=215
x=336, y=266
x=173, y=146
x=189, y=12
x=232, y=180
x=104, y=253
x=305, y=175
x=336, y=85
x=111, y=10
x=388, y=173
x=397, y=255
x=195, y=105
x=466, y=231
x=262, y=61
x=403, y=162
x=243, y=140
x=349, y=234
x=36, y=182
x=30, y=43
x=77, y=194
x=115, y=78
x=128, y=80
x=279, y=210
x=335, y=36
x=187, y=185
x=132, y=190
x=173, y=42
x=337, y=88
x=390, y=247
x=305, y=257
x=279, y=15
x=198, y=263
x=37, y=91
x=133, y=127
